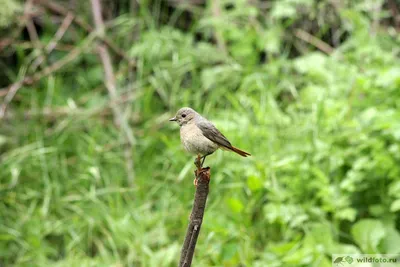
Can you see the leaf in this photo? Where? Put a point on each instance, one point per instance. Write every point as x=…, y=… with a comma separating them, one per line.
x=389, y=78
x=229, y=250
x=283, y=248
x=299, y=257
x=3, y=140
x=367, y=234
x=377, y=210
x=311, y=62
x=391, y=242
x=254, y=183
x=394, y=189
x=283, y=10
x=236, y=205
x=346, y=249
x=348, y=214
x=270, y=40
x=395, y=206
x=271, y=212
x=322, y=235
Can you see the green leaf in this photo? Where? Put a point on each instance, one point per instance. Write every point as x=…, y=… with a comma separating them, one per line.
x=282, y=11
x=229, y=250
x=348, y=214
x=270, y=40
x=346, y=249
x=395, y=206
x=389, y=77
x=254, y=183
x=3, y=140
x=367, y=234
x=272, y=212
x=391, y=242
x=236, y=205
x=283, y=248
x=322, y=235
x=377, y=210
x=311, y=62
x=299, y=257
x=394, y=189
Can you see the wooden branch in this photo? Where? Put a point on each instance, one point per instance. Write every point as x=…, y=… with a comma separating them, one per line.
x=58, y=9
x=196, y=218
x=9, y=97
x=10, y=91
x=216, y=11
x=54, y=41
x=33, y=35
x=60, y=32
x=377, y=8
x=395, y=14
x=111, y=85
x=59, y=113
x=308, y=38
x=28, y=45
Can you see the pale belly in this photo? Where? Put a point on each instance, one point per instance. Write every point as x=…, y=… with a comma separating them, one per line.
x=195, y=142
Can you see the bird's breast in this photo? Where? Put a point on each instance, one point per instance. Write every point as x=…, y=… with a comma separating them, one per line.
x=194, y=141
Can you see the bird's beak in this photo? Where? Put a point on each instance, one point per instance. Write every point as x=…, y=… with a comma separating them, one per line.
x=172, y=119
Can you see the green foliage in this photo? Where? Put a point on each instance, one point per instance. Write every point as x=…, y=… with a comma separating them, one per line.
x=368, y=234
x=323, y=131
x=9, y=9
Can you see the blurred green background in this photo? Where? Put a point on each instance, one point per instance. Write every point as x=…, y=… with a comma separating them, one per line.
x=310, y=88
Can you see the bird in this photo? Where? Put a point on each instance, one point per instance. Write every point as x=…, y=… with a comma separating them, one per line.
x=199, y=136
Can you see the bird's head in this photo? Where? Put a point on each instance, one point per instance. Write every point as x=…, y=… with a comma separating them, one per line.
x=184, y=116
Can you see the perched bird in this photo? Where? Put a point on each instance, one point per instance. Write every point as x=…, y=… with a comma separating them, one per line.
x=200, y=137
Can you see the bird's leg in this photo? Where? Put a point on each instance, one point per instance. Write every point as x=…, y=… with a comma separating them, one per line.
x=204, y=158
x=198, y=164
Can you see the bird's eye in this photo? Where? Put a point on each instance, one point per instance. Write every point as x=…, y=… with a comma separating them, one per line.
x=183, y=115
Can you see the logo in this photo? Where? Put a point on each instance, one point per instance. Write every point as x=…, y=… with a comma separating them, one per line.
x=365, y=260
x=341, y=260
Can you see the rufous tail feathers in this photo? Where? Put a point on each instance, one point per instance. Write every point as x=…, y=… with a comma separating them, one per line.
x=240, y=152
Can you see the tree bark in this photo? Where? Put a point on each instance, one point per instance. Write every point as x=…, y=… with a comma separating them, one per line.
x=196, y=217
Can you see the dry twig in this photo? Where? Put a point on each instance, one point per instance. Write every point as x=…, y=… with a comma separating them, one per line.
x=29, y=24
x=58, y=9
x=216, y=11
x=57, y=37
x=28, y=45
x=395, y=14
x=110, y=83
x=11, y=90
x=308, y=38
x=59, y=113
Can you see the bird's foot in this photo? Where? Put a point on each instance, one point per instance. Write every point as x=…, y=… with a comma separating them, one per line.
x=197, y=162
x=198, y=173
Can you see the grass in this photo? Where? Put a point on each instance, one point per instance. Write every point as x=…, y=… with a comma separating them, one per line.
x=323, y=131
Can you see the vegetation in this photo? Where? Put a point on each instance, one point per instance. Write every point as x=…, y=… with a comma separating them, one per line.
x=310, y=88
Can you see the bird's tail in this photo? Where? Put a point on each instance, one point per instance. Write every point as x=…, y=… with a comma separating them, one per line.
x=240, y=152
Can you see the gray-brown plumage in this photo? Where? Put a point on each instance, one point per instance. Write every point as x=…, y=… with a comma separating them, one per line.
x=199, y=136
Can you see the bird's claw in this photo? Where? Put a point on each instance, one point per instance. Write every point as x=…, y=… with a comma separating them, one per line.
x=197, y=174
x=196, y=162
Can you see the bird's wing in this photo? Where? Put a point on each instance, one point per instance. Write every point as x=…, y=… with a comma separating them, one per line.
x=211, y=132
